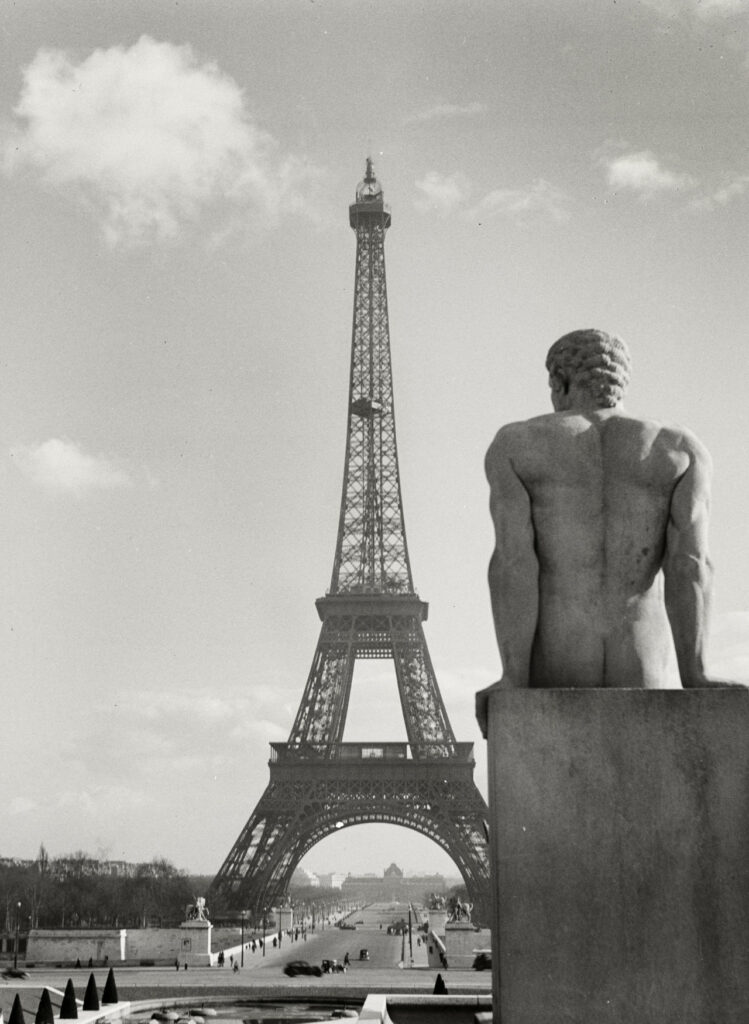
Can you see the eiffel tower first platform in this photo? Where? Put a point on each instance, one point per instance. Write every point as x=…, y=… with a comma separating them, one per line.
x=319, y=784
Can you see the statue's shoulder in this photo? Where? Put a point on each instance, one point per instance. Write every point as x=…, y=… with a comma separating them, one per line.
x=511, y=434
x=513, y=441
x=670, y=440
x=673, y=436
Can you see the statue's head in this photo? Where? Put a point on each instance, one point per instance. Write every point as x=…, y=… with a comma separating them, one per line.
x=592, y=362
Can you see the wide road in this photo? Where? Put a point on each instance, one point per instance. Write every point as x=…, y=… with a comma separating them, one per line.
x=369, y=932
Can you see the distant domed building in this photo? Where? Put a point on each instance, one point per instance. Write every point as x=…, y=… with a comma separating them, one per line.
x=393, y=884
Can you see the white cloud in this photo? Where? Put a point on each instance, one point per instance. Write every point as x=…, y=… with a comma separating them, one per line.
x=642, y=173
x=724, y=195
x=198, y=705
x=101, y=799
x=701, y=9
x=541, y=197
x=196, y=713
x=442, y=192
x=447, y=193
x=146, y=137
x=21, y=805
x=443, y=111
x=710, y=8
x=260, y=731
x=60, y=465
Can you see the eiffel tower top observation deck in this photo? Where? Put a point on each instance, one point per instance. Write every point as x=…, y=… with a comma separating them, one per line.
x=371, y=552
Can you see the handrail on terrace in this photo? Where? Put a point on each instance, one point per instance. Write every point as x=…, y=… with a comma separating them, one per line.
x=370, y=751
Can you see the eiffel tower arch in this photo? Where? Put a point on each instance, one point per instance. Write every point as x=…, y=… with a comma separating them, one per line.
x=319, y=784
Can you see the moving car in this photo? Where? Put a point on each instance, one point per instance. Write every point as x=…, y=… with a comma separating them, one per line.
x=482, y=961
x=301, y=967
x=333, y=967
x=14, y=972
x=364, y=954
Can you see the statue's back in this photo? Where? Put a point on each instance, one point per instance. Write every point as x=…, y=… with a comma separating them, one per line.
x=600, y=486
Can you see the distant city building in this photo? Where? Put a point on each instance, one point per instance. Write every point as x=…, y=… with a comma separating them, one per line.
x=334, y=880
x=79, y=867
x=82, y=866
x=392, y=884
x=304, y=878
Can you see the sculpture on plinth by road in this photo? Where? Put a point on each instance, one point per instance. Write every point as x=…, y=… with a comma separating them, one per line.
x=198, y=911
x=459, y=911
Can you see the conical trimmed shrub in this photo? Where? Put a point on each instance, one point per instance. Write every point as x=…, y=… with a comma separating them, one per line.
x=109, y=995
x=16, y=1013
x=91, y=998
x=69, y=1008
x=440, y=988
x=45, y=1014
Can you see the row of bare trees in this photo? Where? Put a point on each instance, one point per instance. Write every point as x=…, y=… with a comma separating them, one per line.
x=72, y=892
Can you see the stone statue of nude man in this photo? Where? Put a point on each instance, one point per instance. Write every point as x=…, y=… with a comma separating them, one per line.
x=601, y=556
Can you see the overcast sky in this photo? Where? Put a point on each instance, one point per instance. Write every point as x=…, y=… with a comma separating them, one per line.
x=176, y=299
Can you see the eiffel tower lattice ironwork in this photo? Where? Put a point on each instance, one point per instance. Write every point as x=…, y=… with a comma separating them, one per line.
x=318, y=783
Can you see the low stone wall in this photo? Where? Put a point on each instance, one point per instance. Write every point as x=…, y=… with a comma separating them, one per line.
x=462, y=943
x=132, y=945
x=161, y=945
x=141, y=946
x=52, y=946
x=389, y=1009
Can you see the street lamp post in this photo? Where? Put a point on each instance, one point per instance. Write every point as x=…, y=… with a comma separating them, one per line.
x=241, y=955
x=15, y=944
x=265, y=911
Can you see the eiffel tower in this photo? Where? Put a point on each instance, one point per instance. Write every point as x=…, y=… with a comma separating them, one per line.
x=319, y=784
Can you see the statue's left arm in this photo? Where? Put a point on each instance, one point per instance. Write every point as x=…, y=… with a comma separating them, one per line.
x=513, y=569
x=687, y=569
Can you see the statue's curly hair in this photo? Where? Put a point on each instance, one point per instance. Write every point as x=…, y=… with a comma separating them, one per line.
x=597, y=362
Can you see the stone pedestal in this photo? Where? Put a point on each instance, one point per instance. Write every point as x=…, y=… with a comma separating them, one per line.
x=195, y=948
x=620, y=856
x=285, y=918
x=437, y=922
x=436, y=947
x=285, y=922
x=462, y=941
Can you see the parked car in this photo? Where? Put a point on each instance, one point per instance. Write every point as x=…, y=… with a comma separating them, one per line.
x=347, y=926
x=333, y=967
x=301, y=967
x=482, y=961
